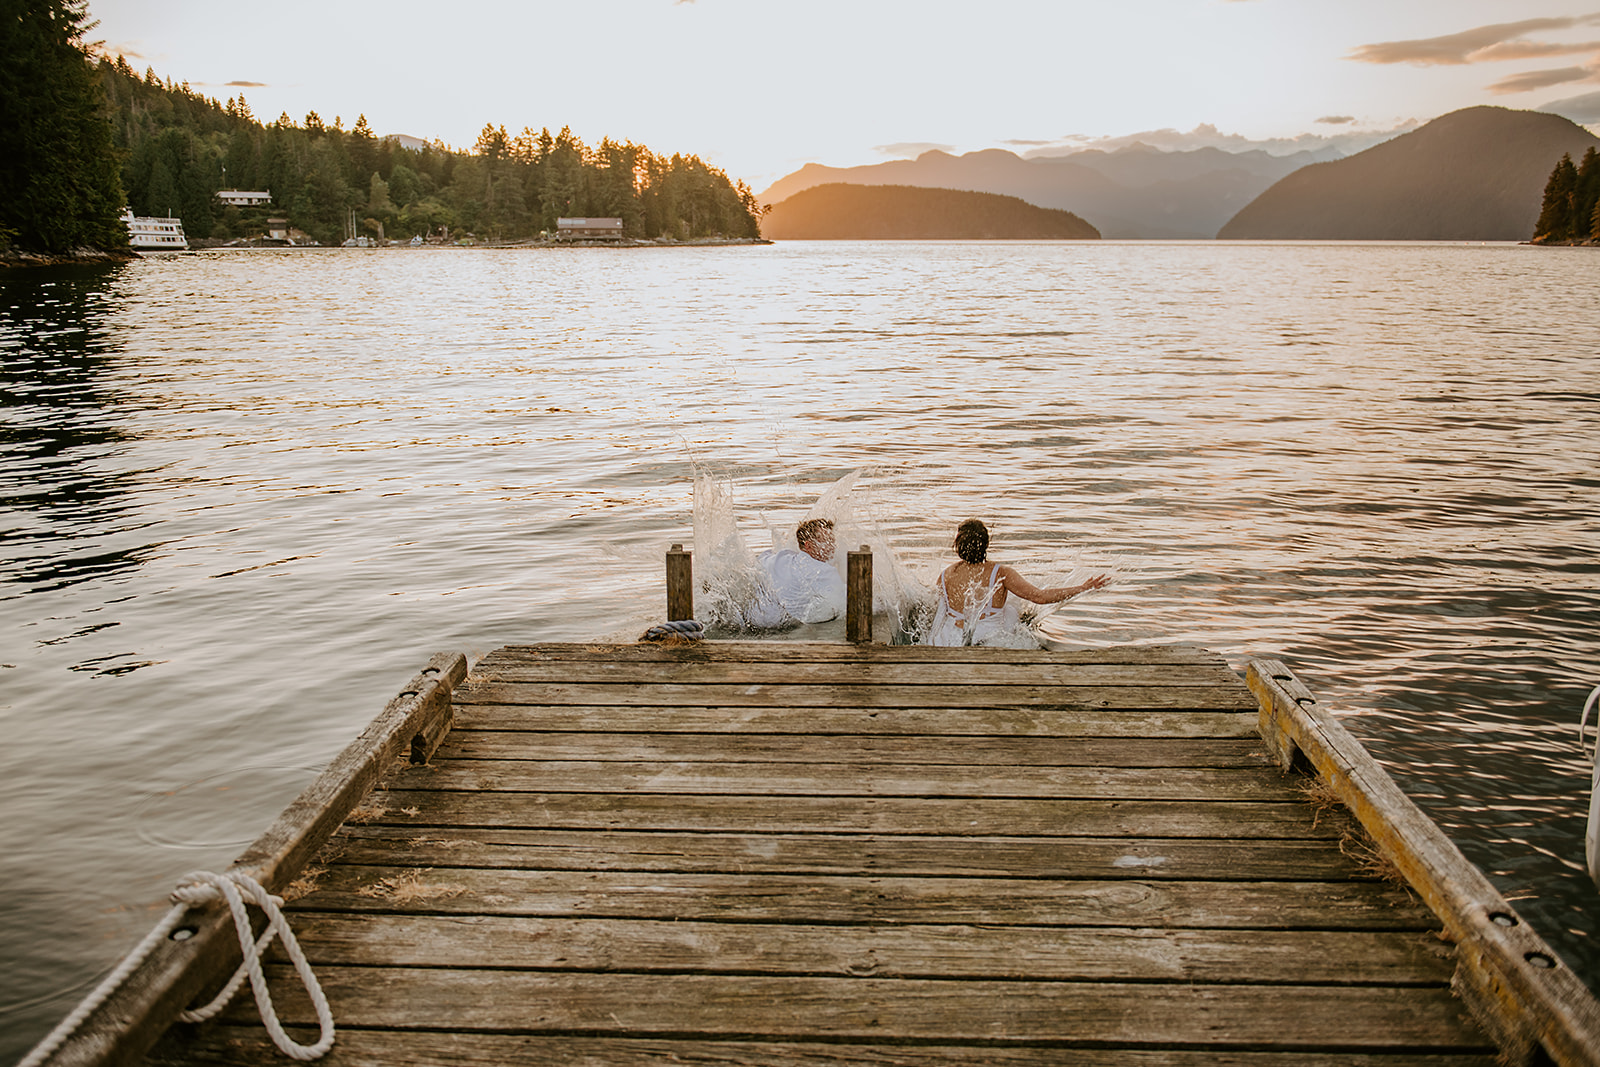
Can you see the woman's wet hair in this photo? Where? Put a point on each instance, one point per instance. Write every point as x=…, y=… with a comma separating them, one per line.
x=972, y=541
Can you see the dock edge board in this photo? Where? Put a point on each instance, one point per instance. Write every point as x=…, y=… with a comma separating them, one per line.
x=1513, y=982
x=122, y=1029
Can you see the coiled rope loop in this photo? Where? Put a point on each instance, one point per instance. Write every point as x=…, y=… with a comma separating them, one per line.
x=194, y=889
x=681, y=630
x=203, y=886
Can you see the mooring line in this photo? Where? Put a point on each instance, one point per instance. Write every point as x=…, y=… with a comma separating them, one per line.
x=195, y=889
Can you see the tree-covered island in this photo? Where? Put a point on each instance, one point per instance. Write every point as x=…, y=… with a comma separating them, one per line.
x=1570, y=211
x=91, y=136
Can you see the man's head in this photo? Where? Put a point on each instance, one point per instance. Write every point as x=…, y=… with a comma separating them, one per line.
x=816, y=538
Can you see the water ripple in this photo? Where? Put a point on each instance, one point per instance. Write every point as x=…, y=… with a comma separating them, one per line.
x=243, y=496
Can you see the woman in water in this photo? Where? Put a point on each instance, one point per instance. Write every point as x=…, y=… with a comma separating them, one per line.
x=986, y=614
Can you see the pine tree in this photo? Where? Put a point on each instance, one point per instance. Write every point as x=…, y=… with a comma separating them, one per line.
x=1586, y=195
x=60, y=187
x=1555, y=213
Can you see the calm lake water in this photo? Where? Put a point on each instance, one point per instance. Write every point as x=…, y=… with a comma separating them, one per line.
x=246, y=495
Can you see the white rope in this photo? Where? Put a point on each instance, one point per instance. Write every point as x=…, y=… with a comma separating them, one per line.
x=202, y=887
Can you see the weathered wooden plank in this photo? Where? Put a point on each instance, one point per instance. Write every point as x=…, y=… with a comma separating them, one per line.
x=244, y=1046
x=1139, y=858
x=858, y=779
x=854, y=720
x=957, y=817
x=1508, y=974
x=742, y=695
x=1238, y=1016
x=1342, y=957
x=768, y=672
x=734, y=897
x=175, y=972
x=465, y=744
x=827, y=651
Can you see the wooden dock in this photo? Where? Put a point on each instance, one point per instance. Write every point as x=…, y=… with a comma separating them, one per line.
x=806, y=854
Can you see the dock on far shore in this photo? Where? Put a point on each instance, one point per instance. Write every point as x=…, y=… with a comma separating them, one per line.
x=801, y=853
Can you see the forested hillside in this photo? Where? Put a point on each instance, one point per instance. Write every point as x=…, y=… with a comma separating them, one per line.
x=182, y=147
x=59, y=190
x=844, y=212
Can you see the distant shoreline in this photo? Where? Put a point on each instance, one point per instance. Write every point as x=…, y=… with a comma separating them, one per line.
x=88, y=257
x=531, y=242
x=1576, y=242
x=77, y=257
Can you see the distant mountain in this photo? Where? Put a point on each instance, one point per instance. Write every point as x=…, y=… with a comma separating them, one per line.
x=404, y=140
x=1137, y=191
x=1584, y=109
x=1472, y=175
x=841, y=212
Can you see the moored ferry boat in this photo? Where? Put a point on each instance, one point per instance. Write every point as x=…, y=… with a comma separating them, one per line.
x=154, y=234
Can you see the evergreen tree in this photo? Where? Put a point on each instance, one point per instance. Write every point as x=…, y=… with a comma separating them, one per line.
x=60, y=186
x=1555, y=213
x=180, y=148
x=1586, y=195
x=562, y=192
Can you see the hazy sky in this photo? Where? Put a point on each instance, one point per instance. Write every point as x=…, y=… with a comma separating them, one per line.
x=759, y=87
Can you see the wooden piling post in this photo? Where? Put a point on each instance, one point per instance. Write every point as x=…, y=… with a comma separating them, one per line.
x=858, y=597
x=680, y=584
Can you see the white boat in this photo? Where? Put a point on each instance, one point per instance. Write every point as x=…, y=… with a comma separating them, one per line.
x=154, y=234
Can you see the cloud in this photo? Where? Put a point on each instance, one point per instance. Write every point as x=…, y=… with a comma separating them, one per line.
x=1533, y=50
x=244, y=85
x=1497, y=43
x=1541, y=79
x=1336, y=120
x=912, y=149
x=1500, y=41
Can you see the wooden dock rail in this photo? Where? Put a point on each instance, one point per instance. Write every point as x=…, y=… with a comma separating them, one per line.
x=794, y=853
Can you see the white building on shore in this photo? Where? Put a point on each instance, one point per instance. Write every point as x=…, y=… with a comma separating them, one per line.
x=242, y=198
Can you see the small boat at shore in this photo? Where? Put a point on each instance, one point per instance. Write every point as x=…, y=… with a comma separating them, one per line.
x=154, y=233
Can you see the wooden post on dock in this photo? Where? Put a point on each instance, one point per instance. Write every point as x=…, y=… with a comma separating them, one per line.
x=680, y=584
x=858, y=597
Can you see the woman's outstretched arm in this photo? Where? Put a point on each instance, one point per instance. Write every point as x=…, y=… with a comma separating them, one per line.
x=1017, y=585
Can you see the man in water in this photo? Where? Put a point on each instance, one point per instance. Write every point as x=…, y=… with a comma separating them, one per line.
x=804, y=583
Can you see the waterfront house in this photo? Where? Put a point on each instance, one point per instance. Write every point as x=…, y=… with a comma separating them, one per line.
x=589, y=229
x=241, y=198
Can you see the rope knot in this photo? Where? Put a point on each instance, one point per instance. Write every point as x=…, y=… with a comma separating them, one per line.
x=203, y=887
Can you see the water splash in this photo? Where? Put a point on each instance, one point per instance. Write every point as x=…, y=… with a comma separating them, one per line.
x=730, y=583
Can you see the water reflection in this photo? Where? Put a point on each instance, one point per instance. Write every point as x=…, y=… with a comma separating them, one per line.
x=1376, y=464
x=58, y=422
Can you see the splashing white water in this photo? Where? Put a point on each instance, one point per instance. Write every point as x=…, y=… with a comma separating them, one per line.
x=731, y=584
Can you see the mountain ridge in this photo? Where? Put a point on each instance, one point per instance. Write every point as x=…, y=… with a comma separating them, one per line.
x=838, y=211
x=1134, y=192
x=1476, y=174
